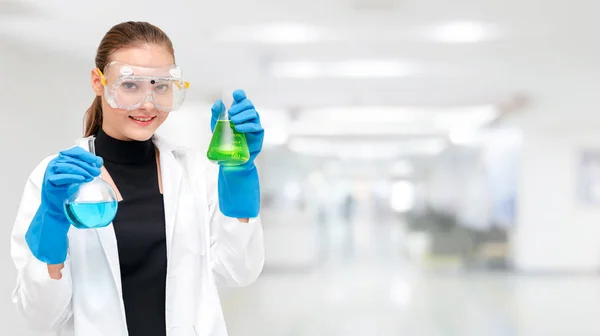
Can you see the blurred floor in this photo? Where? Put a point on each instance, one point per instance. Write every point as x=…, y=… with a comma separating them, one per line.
x=378, y=291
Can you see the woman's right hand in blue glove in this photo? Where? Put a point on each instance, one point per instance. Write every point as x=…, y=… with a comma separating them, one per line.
x=47, y=233
x=72, y=166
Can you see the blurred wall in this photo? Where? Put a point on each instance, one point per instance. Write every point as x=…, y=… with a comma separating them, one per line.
x=554, y=231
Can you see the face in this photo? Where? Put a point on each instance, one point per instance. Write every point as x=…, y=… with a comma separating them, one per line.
x=139, y=124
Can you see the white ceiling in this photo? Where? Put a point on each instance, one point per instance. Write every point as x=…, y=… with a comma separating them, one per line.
x=535, y=48
x=532, y=37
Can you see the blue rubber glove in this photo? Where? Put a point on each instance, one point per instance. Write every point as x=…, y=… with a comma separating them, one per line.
x=239, y=188
x=47, y=233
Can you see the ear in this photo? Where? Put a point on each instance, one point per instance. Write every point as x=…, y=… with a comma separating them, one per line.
x=97, y=82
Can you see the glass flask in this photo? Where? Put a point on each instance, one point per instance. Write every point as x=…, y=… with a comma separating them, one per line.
x=92, y=204
x=227, y=147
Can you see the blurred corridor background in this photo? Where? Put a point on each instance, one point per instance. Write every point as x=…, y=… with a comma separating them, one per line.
x=430, y=167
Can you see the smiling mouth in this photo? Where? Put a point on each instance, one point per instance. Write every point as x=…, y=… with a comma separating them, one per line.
x=142, y=119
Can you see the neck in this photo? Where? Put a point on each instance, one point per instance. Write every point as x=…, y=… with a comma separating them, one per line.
x=113, y=134
x=123, y=151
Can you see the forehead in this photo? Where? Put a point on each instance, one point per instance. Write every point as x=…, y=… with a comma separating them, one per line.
x=147, y=55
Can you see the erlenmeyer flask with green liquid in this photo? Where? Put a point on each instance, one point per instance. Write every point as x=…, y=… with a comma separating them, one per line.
x=227, y=147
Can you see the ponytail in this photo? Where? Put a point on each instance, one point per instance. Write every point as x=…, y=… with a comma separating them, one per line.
x=93, y=117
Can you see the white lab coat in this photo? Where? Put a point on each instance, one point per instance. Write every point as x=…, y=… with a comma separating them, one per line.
x=203, y=248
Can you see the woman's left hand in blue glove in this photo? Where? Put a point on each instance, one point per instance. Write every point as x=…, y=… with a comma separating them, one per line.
x=239, y=188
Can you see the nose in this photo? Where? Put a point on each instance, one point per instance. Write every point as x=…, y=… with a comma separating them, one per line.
x=147, y=103
x=148, y=106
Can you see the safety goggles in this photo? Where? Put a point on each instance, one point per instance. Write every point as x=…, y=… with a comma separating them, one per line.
x=128, y=87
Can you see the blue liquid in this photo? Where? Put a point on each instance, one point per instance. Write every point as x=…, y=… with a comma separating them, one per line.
x=90, y=215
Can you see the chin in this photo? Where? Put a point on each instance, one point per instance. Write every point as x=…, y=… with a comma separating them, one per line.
x=140, y=135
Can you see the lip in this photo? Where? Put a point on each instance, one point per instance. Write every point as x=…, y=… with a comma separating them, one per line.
x=142, y=123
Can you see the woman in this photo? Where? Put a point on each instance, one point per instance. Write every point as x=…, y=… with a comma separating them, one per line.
x=182, y=227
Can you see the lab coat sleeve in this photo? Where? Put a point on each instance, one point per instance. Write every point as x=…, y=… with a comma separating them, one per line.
x=236, y=248
x=44, y=303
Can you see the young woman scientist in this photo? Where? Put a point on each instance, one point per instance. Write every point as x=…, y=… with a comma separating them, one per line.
x=183, y=224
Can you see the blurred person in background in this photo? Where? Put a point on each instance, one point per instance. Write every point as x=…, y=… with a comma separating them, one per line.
x=348, y=213
x=183, y=226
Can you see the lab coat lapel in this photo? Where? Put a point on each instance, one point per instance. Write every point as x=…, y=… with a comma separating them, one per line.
x=109, y=245
x=108, y=240
x=171, y=174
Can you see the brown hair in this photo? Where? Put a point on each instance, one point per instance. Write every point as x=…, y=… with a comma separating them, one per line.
x=123, y=35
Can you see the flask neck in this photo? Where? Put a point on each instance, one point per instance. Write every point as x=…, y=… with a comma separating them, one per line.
x=224, y=115
x=88, y=144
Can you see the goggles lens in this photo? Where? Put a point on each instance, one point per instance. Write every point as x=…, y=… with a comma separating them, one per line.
x=129, y=87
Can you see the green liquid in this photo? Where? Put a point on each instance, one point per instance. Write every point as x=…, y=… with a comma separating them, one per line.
x=228, y=147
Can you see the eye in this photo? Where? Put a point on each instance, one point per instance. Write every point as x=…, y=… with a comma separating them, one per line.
x=162, y=87
x=129, y=85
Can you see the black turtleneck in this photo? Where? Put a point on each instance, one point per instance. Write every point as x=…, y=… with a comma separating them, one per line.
x=140, y=229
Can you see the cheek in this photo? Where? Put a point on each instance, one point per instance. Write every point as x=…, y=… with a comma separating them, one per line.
x=114, y=118
x=115, y=115
x=108, y=113
x=162, y=116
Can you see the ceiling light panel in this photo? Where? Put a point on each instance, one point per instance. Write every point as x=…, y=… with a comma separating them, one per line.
x=341, y=69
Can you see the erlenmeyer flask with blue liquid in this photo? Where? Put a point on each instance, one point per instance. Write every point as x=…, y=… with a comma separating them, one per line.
x=92, y=204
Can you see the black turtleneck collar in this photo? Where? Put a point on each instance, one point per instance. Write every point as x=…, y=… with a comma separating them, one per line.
x=127, y=152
